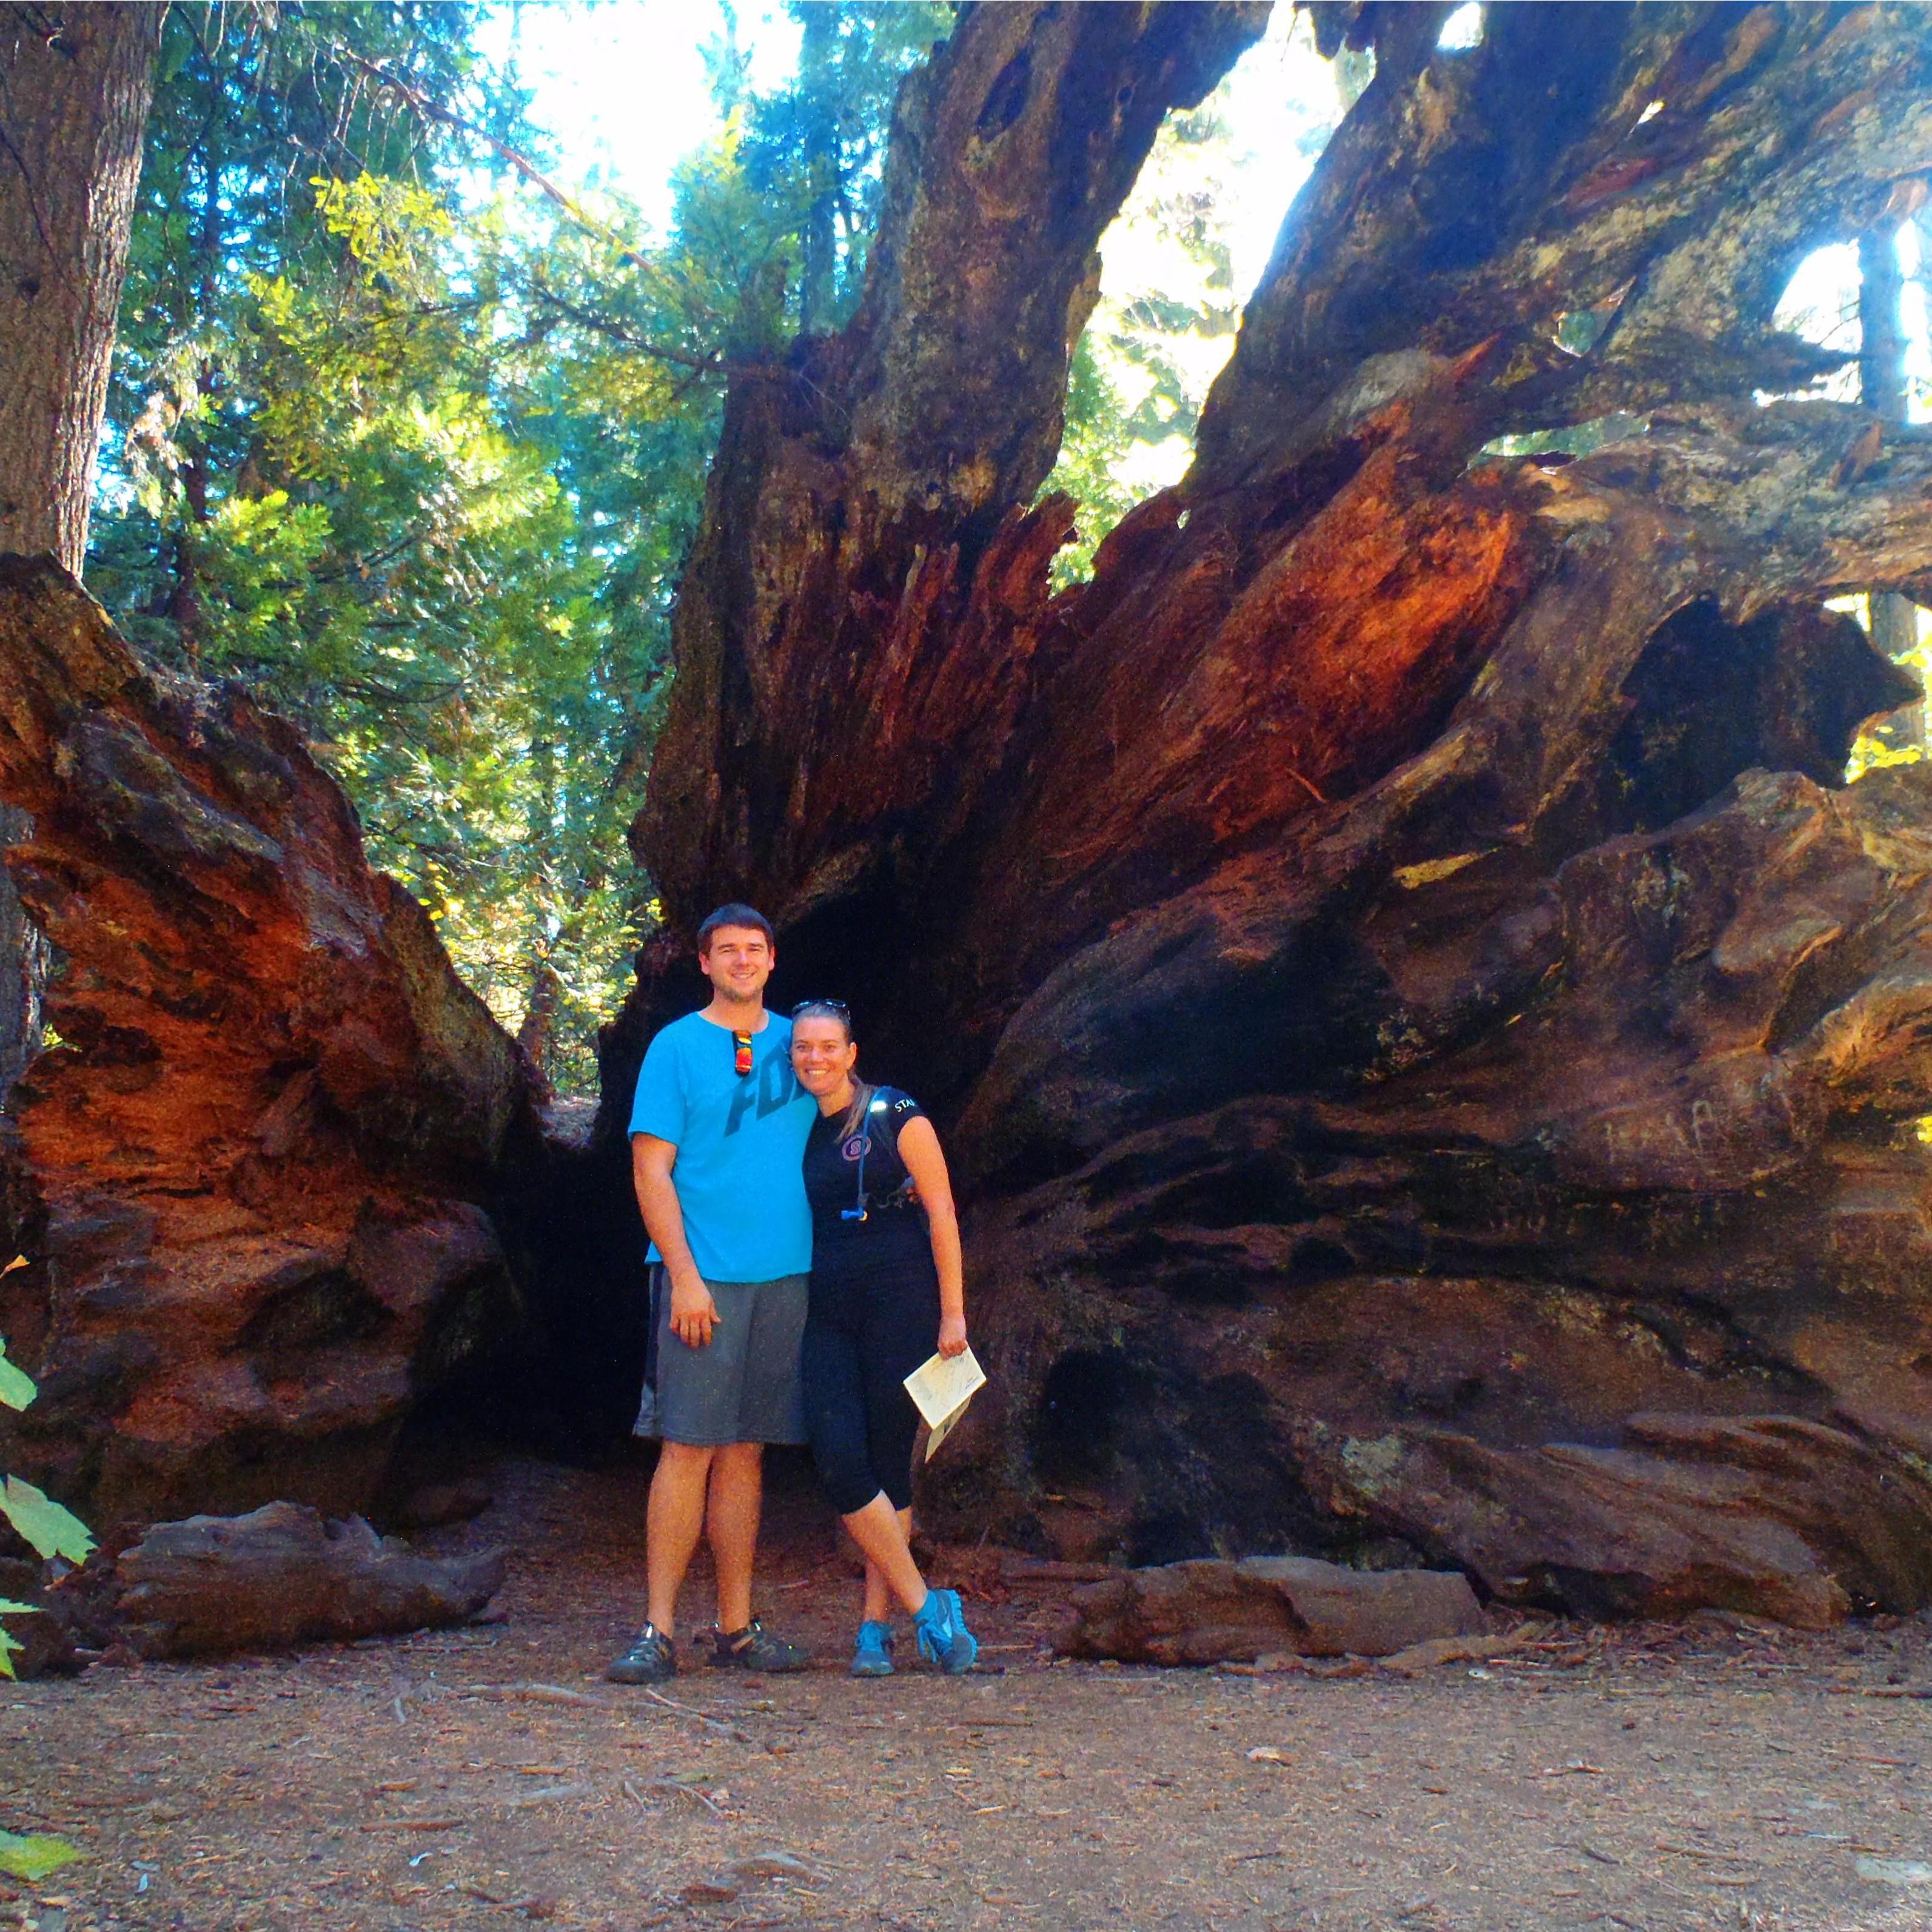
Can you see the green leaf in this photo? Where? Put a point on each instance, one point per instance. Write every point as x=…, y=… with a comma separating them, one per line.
x=9, y=1643
x=16, y=1386
x=52, y=1530
x=34, y=1858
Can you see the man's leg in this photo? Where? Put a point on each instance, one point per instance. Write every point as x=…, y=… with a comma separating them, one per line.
x=731, y=1527
x=673, y=1522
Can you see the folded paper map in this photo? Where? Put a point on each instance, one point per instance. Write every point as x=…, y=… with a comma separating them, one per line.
x=941, y=1390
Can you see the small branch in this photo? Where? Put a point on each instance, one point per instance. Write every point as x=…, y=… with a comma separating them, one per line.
x=711, y=363
x=435, y=111
x=524, y=165
x=707, y=1718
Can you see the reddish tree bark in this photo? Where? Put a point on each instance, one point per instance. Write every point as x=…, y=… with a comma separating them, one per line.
x=251, y=1180
x=870, y=499
x=1433, y=1045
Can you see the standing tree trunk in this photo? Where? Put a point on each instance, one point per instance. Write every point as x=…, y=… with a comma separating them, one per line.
x=74, y=88
x=1433, y=1049
x=821, y=162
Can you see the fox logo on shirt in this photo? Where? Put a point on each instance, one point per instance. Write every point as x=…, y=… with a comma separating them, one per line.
x=775, y=1087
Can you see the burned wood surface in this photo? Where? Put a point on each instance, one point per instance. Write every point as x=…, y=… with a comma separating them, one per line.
x=1435, y=1047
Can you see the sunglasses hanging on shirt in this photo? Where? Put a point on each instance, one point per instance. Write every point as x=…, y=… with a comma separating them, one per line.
x=741, y=1057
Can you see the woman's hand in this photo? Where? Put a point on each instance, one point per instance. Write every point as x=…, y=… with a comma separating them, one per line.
x=951, y=1336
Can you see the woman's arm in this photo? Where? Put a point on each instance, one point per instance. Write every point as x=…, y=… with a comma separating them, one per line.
x=919, y=1148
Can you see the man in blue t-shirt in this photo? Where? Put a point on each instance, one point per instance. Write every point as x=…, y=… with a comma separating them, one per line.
x=718, y=1135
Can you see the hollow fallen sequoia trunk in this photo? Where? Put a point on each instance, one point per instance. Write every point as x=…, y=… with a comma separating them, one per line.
x=249, y=1179
x=1435, y=1049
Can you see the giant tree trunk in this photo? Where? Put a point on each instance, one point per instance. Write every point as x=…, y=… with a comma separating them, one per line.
x=1433, y=1048
x=252, y=1181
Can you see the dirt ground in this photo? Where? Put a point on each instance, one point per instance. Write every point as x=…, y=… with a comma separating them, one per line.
x=1722, y=1774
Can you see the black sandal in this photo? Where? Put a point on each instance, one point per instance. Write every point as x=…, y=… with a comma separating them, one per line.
x=754, y=1647
x=651, y=1659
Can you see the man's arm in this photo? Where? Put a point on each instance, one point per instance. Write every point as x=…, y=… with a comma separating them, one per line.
x=693, y=1312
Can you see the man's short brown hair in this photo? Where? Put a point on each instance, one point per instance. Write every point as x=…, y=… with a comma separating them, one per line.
x=735, y=914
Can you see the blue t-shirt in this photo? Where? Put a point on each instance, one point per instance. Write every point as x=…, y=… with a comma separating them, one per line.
x=740, y=1141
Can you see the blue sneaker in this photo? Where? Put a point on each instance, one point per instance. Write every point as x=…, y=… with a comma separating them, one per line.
x=942, y=1634
x=872, y=1655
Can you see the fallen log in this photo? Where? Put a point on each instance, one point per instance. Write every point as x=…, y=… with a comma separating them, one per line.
x=284, y=1575
x=1432, y=1048
x=1210, y=1611
x=45, y=1636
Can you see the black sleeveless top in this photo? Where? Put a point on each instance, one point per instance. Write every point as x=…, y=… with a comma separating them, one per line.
x=893, y=1237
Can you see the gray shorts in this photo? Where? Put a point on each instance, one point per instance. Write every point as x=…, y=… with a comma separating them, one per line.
x=743, y=1385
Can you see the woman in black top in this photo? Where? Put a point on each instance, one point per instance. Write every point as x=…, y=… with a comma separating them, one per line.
x=886, y=1289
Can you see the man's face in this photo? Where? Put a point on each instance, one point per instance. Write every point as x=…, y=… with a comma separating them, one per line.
x=739, y=962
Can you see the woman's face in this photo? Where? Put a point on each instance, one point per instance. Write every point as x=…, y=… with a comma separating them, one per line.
x=821, y=1056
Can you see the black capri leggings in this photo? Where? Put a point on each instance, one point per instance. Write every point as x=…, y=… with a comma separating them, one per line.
x=863, y=1337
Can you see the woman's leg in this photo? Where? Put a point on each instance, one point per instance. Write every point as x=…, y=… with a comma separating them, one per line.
x=881, y=1531
x=878, y=1588
x=897, y=1335
x=835, y=1399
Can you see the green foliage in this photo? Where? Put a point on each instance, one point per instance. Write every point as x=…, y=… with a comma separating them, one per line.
x=331, y=480
x=10, y=1646
x=36, y=1857
x=1163, y=327
x=16, y=1386
x=812, y=154
x=52, y=1530
x=416, y=455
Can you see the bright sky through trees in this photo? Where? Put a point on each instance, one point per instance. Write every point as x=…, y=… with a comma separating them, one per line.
x=619, y=87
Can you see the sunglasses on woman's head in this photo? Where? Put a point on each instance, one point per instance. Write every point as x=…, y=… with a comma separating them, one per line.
x=821, y=1007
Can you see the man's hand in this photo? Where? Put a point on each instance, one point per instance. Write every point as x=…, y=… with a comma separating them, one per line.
x=951, y=1336
x=693, y=1312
